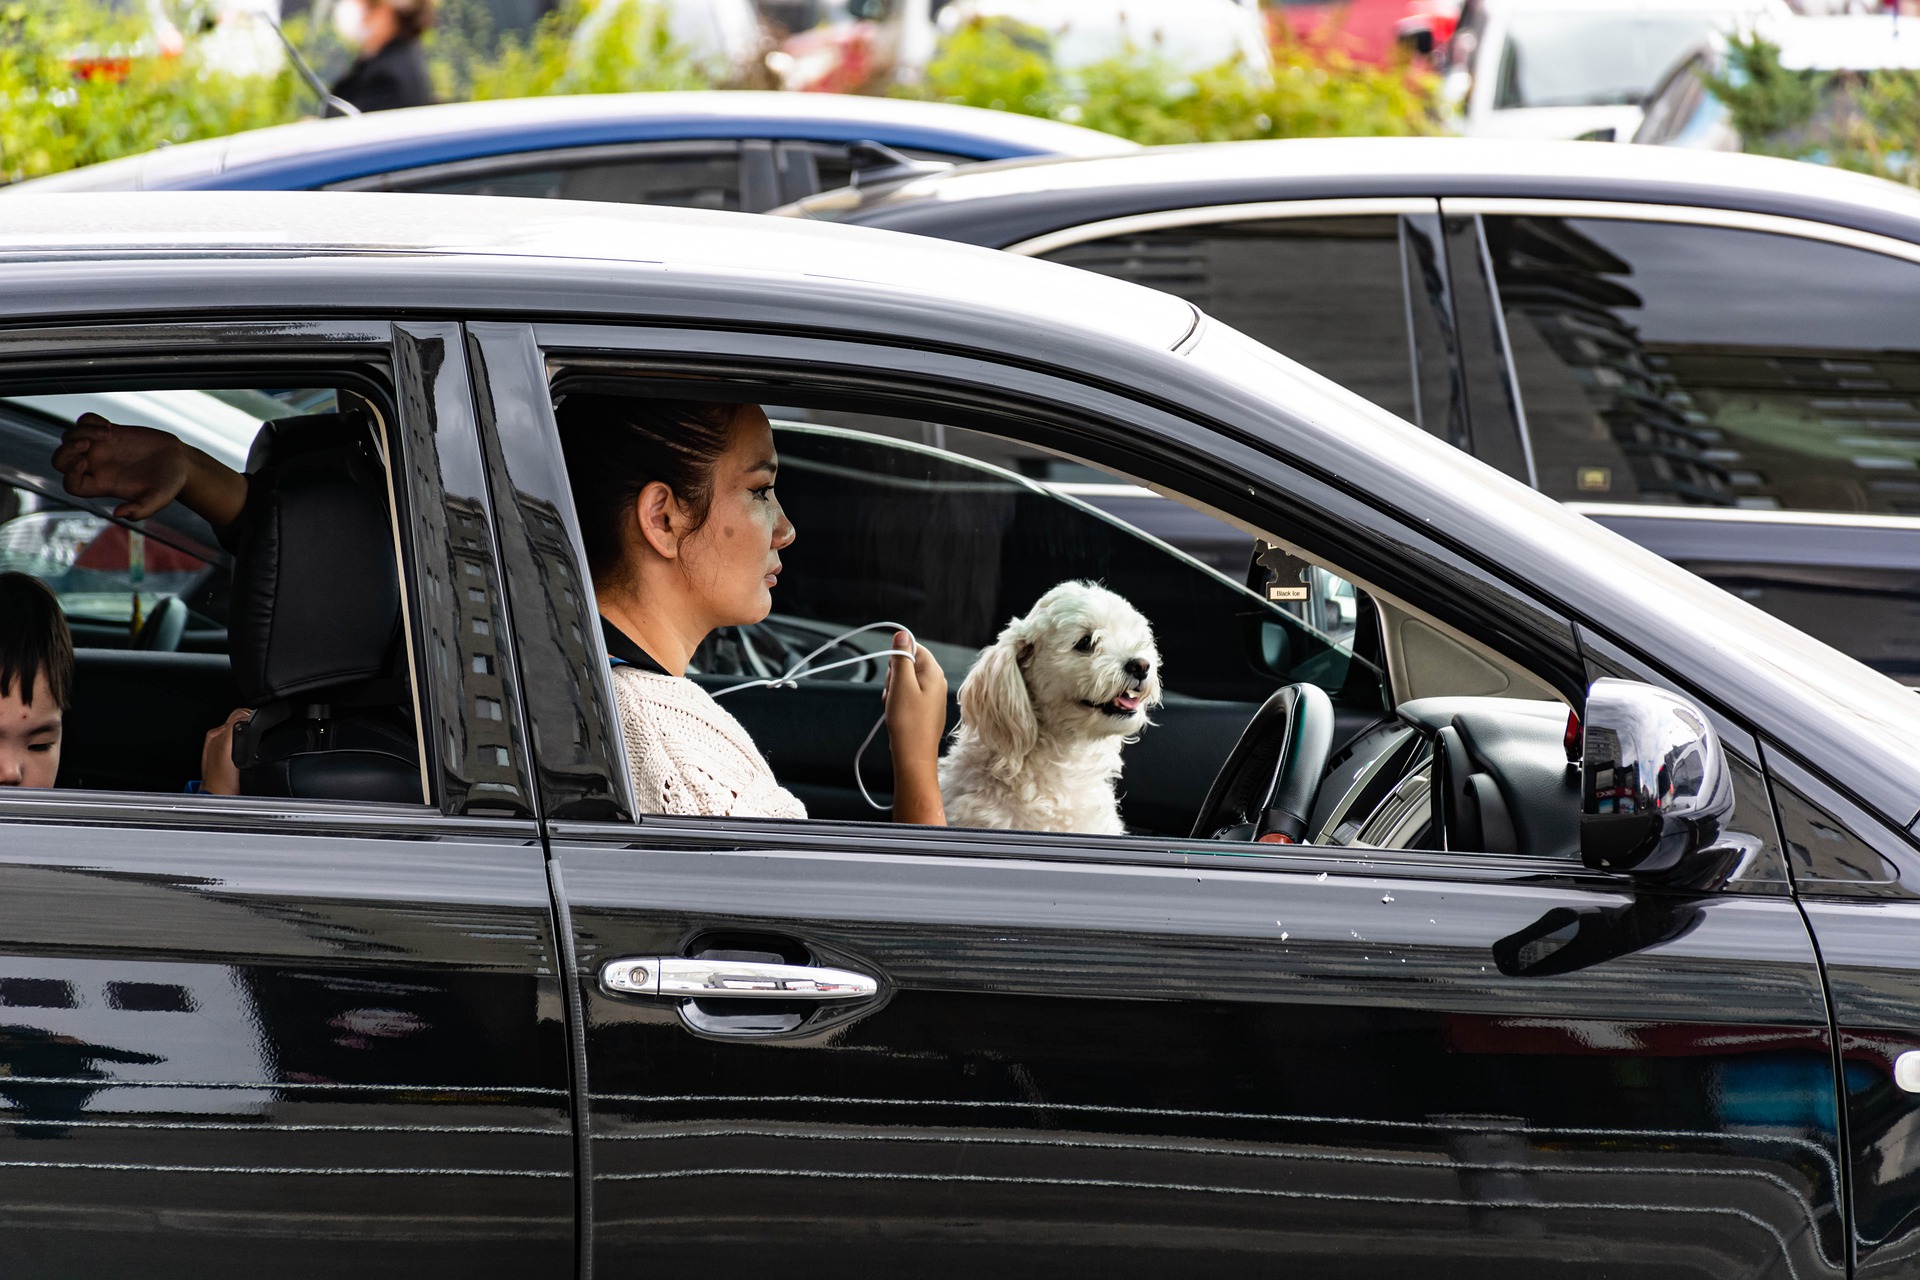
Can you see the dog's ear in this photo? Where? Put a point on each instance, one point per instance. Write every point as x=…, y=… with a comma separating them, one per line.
x=995, y=705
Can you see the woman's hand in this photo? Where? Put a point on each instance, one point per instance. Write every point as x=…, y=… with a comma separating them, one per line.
x=219, y=776
x=147, y=469
x=916, y=701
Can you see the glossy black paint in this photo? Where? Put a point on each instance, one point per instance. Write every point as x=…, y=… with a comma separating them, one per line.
x=1089, y=1068
x=324, y=1041
x=1439, y=397
x=464, y=653
x=1073, y=1068
x=1495, y=435
x=1860, y=885
x=563, y=663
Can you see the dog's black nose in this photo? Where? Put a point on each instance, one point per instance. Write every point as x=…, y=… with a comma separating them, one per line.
x=1138, y=668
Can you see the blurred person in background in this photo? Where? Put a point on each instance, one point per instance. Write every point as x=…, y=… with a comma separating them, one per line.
x=391, y=69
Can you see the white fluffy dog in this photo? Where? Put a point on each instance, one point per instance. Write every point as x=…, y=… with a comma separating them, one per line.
x=1044, y=712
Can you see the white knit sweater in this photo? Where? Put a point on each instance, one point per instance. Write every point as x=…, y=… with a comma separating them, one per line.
x=689, y=756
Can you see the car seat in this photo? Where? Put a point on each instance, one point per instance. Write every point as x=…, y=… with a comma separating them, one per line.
x=315, y=631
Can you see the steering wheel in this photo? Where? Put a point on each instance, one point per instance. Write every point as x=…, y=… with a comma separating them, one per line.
x=164, y=627
x=1265, y=789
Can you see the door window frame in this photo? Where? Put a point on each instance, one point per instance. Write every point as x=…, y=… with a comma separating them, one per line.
x=1214, y=214
x=511, y=162
x=1686, y=215
x=219, y=352
x=1059, y=409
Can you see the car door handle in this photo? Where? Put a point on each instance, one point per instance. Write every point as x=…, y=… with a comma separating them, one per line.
x=680, y=978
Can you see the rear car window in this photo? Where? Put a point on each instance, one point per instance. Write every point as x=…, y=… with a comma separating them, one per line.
x=1705, y=366
x=1268, y=278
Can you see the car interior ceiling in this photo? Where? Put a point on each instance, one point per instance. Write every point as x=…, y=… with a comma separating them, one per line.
x=175, y=626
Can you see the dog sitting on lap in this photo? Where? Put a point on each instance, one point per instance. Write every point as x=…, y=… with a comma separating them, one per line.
x=1045, y=711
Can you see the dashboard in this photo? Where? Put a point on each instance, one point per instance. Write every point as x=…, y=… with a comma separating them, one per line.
x=1488, y=775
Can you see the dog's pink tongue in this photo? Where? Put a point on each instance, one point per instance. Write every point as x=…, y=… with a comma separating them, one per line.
x=1126, y=703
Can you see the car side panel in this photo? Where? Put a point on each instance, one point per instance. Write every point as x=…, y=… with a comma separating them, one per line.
x=1859, y=883
x=289, y=1045
x=1229, y=1066
x=297, y=1037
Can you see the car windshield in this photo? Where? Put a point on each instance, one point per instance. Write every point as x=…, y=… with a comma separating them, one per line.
x=1601, y=58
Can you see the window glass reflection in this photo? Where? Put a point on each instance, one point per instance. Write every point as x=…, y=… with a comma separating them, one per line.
x=1709, y=367
x=1275, y=281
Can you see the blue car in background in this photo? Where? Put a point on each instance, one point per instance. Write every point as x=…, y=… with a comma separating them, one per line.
x=728, y=149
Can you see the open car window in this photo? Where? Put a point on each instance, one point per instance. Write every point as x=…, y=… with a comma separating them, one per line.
x=177, y=624
x=953, y=547
x=110, y=574
x=1285, y=704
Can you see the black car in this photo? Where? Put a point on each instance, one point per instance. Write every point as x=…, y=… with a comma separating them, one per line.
x=1598, y=955
x=1712, y=354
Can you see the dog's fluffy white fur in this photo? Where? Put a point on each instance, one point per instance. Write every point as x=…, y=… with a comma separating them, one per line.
x=1044, y=712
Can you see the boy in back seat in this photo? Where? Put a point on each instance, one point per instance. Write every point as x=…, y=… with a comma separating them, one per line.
x=36, y=681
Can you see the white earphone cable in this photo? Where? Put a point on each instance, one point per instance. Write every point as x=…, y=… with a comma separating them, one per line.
x=803, y=670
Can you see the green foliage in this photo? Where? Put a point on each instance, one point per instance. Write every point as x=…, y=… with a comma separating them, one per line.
x=1316, y=91
x=1865, y=121
x=1764, y=100
x=626, y=49
x=53, y=117
x=1887, y=133
x=997, y=67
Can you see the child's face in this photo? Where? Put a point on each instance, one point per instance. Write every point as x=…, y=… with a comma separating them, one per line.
x=29, y=736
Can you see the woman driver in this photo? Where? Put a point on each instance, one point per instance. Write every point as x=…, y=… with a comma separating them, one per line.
x=683, y=534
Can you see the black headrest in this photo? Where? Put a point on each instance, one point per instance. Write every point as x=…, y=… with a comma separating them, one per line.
x=316, y=589
x=284, y=439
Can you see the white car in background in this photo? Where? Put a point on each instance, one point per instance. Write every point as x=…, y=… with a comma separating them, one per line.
x=1575, y=68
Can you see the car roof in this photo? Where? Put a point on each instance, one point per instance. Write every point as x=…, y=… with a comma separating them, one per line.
x=315, y=153
x=1004, y=203
x=623, y=248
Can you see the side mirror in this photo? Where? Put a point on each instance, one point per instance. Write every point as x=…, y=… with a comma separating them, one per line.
x=1655, y=792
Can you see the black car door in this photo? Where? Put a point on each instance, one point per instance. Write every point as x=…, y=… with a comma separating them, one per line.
x=243, y=1035
x=1140, y=1055
x=1858, y=880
